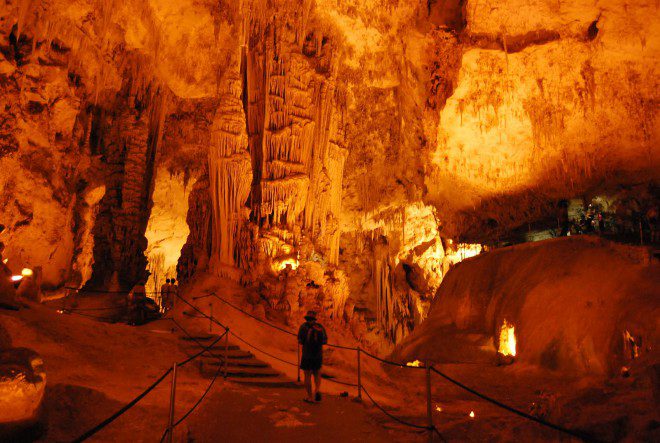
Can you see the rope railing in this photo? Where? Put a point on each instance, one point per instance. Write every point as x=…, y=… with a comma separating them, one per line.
x=211, y=318
x=213, y=294
x=103, y=291
x=389, y=362
x=332, y=345
x=393, y=417
x=430, y=427
x=218, y=371
x=262, y=351
x=402, y=365
x=514, y=410
x=143, y=394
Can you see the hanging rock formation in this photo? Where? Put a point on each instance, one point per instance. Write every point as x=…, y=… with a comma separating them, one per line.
x=230, y=171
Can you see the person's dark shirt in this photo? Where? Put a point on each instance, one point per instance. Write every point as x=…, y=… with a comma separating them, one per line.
x=302, y=338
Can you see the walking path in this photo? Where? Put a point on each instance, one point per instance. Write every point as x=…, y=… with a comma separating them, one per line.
x=95, y=368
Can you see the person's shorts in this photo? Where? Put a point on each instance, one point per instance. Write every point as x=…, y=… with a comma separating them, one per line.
x=311, y=363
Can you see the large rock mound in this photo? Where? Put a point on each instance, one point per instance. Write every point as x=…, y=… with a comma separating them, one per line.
x=22, y=386
x=571, y=301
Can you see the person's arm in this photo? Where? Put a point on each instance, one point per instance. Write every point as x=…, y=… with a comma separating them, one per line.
x=325, y=336
x=301, y=334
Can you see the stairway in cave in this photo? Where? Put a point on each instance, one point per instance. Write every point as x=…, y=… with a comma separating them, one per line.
x=242, y=366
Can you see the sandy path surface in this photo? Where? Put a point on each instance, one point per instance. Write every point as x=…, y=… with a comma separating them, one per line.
x=94, y=368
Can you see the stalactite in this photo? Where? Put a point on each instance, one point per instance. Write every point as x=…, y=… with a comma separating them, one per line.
x=383, y=287
x=290, y=107
x=230, y=170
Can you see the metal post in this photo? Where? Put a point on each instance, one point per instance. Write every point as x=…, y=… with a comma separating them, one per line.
x=359, y=396
x=170, y=425
x=298, y=349
x=226, y=349
x=211, y=319
x=429, y=407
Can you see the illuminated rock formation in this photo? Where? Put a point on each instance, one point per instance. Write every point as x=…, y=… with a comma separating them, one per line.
x=368, y=145
x=22, y=388
x=565, y=299
x=230, y=170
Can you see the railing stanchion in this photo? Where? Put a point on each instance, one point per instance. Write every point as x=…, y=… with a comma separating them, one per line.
x=359, y=370
x=226, y=350
x=170, y=423
x=211, y=318
x=429, y=406
x=298, y=358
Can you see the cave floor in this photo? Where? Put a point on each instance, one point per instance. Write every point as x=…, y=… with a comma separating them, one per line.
x=94, y=368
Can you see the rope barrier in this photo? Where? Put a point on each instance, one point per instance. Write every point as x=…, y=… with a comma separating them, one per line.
x=102, y=291
x=191, y=337
x=434, y=429
x=109, y=420
x=91, y=309
x=133, y=402
x=107, y=319
x=208, y=388
x=199, y=401
x=393, y=417
x=198, y=310
x=270, y=324
x=253, y=316
x=271, y=355
x=400, y=365
x=120, y=412
x=339, y=382
x=513, y=410
x=392, y=363
x=262, y=351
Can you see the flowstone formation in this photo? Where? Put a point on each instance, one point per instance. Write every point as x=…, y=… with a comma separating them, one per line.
x=339, y=155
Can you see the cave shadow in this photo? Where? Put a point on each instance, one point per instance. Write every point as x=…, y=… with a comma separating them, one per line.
x=70, y=410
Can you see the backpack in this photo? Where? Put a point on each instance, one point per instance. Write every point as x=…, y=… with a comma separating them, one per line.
x=314, y=339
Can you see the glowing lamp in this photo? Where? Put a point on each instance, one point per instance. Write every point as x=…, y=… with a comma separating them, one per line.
x=507, y=339
x=415, y=364
x=471, y=414
x=16, y=278
x=5, y=261
x=27, y=272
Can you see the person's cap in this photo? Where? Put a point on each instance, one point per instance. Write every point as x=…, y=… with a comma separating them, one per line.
x=311, y=315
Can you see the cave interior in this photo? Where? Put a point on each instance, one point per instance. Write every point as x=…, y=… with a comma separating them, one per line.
x=463, y=186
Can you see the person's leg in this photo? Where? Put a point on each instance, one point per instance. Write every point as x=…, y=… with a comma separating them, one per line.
x=308, y=384
x=317, y=384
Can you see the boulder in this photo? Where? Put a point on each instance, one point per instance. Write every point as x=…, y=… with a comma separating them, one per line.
x=22, y=386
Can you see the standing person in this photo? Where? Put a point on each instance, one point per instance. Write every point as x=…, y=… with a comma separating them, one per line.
x=164, y=295
x=312, y=337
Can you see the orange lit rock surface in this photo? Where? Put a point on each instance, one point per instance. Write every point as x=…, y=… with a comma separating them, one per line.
x=22, y=386
x=570, y=301
x=362, y=136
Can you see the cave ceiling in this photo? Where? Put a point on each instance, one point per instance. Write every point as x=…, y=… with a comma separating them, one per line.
x=489, y=111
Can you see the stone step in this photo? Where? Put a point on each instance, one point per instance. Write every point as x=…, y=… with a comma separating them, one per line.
x=232, y=354
x=220, y=346
x=199, y=337
x=239, y=371
x=267, y=382
x=246, y=362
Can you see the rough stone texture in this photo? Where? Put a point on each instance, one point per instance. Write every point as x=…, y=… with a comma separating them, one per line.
x=22, y=385
x=371, y=126
x=571, y=300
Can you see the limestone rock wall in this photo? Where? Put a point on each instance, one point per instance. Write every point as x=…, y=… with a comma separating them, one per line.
x=320, y=131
